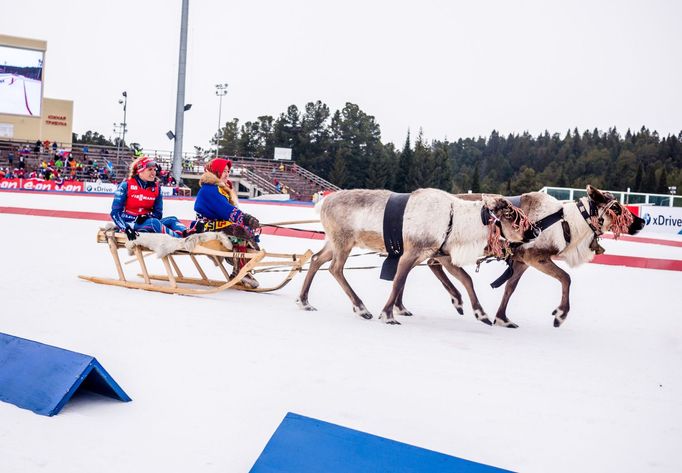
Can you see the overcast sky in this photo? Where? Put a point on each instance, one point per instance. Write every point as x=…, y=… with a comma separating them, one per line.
x=453, y=68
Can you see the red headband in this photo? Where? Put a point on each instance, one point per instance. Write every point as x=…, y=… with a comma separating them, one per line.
x=144, y=163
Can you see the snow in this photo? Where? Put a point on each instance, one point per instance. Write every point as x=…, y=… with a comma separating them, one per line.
x=211, y=377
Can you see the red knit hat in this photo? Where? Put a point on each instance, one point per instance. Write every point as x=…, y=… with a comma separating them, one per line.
x=217, y=166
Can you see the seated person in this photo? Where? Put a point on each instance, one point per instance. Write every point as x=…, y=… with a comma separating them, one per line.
x=216, y=204
x=138, y=205
x=216, y=208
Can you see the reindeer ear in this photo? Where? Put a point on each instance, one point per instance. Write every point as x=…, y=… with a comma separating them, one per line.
x=596, y=195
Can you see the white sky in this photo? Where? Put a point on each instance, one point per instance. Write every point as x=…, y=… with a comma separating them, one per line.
x=454, y=68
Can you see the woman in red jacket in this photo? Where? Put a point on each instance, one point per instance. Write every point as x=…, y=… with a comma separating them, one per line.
x=138, y=205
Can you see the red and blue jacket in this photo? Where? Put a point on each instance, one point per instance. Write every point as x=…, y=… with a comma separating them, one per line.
x=133, y=198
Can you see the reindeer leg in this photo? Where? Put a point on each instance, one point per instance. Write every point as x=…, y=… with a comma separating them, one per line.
x=336, y=268
x=321, y=257
x=547, y=266
x=405, y=265
x=463, y=277
x=455, y=295
x=400, y=308
x=519, y=267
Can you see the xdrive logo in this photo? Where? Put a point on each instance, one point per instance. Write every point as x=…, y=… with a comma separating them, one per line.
x=662, y=221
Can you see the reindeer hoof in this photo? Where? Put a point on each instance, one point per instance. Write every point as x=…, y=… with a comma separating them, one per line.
x=403, y=312
x=304, y=305
x=505, y=323
x=387, y=317
x=559, y=317
x=480, y=316
x=362, y=312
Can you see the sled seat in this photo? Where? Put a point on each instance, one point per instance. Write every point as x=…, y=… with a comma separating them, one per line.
x=214, y=246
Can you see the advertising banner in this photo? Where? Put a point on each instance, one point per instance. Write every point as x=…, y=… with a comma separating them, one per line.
x=100, y=187
x=661, y=219
x=41, y=185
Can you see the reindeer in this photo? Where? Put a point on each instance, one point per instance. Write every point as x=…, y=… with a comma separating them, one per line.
x=574, y=241
x=436, y=225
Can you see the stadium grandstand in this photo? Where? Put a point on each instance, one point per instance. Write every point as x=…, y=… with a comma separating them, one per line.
x=253, y=177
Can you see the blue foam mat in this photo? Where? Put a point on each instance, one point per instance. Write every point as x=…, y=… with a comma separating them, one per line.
x=42, y=378
x=303, y=444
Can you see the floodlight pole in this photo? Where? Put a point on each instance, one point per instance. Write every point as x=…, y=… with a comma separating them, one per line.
x=180, y=102
x=125, y=109
x=220, y=91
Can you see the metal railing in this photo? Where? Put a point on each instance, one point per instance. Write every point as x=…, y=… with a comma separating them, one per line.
x=627, y=197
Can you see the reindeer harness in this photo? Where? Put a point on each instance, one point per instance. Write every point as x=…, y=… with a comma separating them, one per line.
x=393, y=233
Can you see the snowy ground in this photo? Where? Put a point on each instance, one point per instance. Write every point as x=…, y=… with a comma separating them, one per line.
x=211, y=377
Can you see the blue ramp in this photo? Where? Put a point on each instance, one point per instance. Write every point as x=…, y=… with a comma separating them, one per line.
x=302, y=444
x=43, y=378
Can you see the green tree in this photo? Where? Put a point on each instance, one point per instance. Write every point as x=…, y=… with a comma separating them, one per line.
x=316, y=138
x=637, y=186
x=405, y=163
x=356, y=138
x=475, y=181
x=91, y=138
x=662, y=187
x=649, y=184
x=228, y=139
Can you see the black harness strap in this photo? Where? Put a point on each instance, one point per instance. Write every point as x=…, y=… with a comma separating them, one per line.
x=531, y=234
x=541, y=225
x=448, y=231
x=393, y=233
x=588, y=215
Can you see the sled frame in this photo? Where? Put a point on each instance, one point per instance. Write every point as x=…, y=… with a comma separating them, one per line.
x=174, y=276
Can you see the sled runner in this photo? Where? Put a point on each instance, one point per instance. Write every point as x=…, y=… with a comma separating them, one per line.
x=214, y=246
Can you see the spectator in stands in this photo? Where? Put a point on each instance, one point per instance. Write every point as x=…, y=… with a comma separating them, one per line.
x=71, y=165
x=36, y=147
x=138, y=204
x=59, y=164
x=216, y=208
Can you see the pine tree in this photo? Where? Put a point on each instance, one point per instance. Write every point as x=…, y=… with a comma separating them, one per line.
x=404, y=165
x=637, y=187
x=662, y=187
x=228, y=140
x=475, y=181
x=649, y=184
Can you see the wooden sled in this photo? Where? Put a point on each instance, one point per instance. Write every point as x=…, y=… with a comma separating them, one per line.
x=212, y=249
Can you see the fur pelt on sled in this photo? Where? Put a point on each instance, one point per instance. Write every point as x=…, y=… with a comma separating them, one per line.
x=163, y=245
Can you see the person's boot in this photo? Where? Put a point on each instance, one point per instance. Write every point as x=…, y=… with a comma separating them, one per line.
x=238, y=263
x=197, y=228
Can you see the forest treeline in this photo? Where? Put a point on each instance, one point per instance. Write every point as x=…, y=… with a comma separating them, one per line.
x=345, y=147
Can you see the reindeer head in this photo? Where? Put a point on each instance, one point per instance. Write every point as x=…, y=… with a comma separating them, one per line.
x=607, y=214
x=503, y=220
